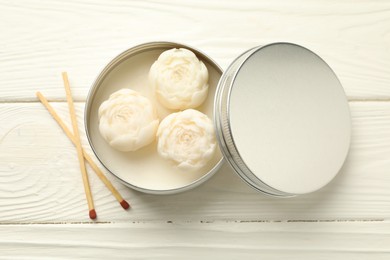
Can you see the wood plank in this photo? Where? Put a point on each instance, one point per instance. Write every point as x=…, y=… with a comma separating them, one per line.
x=41, y=39
x=40, y=180
x=221, y=240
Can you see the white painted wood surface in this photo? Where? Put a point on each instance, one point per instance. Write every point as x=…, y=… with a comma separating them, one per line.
x=226, y=240
x=43, y=213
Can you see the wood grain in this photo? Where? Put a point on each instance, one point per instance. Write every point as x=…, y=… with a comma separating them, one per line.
x=220, y=240
x=40, y=180
x=41, y=192
x=40, y=39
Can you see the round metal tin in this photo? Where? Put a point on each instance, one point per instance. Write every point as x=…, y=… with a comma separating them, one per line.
x=144, y=170
x=282, y=119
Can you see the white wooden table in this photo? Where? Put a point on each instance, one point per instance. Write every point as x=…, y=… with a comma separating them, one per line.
x=43, y=212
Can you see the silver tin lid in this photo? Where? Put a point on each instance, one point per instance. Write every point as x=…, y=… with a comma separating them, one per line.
x=282, y=119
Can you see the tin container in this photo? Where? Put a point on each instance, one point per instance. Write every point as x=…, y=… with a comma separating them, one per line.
x=144, y=170
x=281, y=117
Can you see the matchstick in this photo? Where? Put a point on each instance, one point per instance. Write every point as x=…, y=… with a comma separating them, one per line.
x=87, y=188
x=93, y=165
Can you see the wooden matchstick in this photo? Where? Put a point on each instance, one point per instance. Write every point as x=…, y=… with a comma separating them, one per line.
x=87, y=188
x=93, y=165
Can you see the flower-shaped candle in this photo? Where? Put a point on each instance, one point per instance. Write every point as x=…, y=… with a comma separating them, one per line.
x=127, y=120
x=179, y=79
x=187, y=139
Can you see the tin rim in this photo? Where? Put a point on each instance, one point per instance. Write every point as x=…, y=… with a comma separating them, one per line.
x=103, y=74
